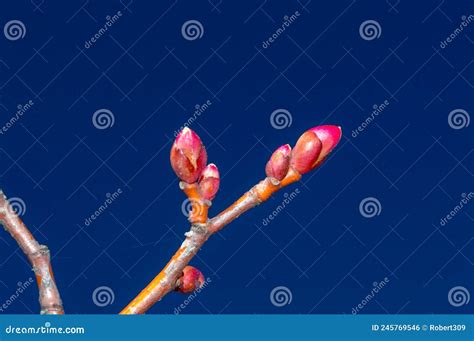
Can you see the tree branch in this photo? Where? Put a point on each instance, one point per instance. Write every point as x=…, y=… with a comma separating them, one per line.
x=200, y=183
x=199, y=233
x=37, y=254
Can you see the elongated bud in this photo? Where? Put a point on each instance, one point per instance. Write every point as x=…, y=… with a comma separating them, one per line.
x=190, y=280
x=279, y=163
x=209, y=181
x=306, y=152
x=188, y=156
x=330, y=136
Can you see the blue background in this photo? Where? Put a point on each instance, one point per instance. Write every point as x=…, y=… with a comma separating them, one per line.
x=321, y=70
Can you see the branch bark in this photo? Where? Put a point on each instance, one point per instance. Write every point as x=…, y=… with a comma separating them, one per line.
x=199, y=233
x=38, y=255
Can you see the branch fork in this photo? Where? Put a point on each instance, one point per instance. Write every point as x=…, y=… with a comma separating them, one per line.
x=200, y=184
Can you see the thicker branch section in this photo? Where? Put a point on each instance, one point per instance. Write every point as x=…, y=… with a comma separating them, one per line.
x=165, y=281
x=38, y=255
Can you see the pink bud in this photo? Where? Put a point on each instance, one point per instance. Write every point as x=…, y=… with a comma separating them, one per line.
x=306, y=152
x=190, y=280
x=188, y=156
x=279, y=163
x=209, y=181
x=330, y=136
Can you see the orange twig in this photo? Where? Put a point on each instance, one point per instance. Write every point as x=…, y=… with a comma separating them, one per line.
x=199, y=205
x=200, y=231
x=37, y=254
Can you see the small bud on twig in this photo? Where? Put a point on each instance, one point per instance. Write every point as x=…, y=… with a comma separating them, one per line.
x=209, y=181
x=190, y=280
x=188, y=156
x=279, y=163
x=306, y=152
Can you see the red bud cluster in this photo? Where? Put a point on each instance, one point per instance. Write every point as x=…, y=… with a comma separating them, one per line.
x=188, y=159
x=310, y=151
